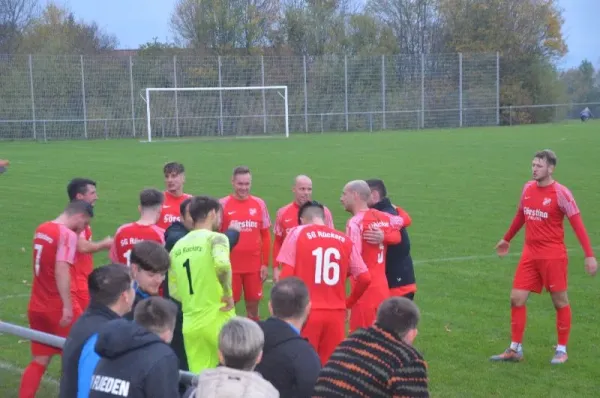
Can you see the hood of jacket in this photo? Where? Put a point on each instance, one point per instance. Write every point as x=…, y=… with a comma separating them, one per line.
x=277, y=332
x=121, y=336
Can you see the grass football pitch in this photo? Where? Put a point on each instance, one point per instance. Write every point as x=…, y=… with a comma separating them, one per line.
x=460, y=187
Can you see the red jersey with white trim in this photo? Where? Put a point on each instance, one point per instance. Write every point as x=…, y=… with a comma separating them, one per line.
x=52, y=243
x=544, y=210
x=170, y=209
x=128, y=235
x=323, y=258
x=253, y=217
x=373, y=255
x=84, y=265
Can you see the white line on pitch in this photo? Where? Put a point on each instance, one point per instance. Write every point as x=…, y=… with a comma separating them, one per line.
x=13, y=296
x=480, y=257
x=9, y=367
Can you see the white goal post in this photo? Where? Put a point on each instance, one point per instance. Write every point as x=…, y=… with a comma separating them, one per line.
x=220, y=116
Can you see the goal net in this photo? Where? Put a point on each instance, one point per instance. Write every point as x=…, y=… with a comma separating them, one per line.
x=216, y=112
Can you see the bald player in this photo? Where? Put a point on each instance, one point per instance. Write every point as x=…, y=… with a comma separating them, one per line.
x=287, y=217
x=371, y=231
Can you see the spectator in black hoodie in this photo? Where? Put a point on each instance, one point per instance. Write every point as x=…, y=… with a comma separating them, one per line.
x=136, y=360
x=174, y=232
x=149, y=263
x=111, y=297
x=289, y=362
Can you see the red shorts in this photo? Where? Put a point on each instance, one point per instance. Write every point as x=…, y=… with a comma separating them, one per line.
x=48, y=322
x=250, y=283
x=325, y=330
x=362, y=316
x=534, y=275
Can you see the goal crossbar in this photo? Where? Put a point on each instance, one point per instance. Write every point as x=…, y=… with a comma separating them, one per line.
x=242, y=88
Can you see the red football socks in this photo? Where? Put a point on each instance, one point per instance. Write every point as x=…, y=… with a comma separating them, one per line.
x=518, y=319
x=30, y=382
x=563, y=324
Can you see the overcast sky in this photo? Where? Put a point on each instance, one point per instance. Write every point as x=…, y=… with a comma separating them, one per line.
x=135, y=22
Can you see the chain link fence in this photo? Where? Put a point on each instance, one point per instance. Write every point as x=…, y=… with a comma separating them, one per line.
x=101, y=97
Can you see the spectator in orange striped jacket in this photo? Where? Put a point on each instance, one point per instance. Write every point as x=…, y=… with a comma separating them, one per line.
x=379, y=361
x=399, y=267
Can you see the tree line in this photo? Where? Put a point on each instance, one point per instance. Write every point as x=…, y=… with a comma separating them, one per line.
x=527, y=34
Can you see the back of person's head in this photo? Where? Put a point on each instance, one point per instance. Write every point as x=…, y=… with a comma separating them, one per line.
x=310, y=211
x=290, y=300
x=110, y=286
x=205, y=209
x=241, y=343
x=184, y=210
x=157, y=315
x=378, y=189
x=150, y=262
x=151, y=199
x=400, y=316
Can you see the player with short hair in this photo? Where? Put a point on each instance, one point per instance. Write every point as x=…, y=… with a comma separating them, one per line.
x=287, y=217
x=399, y=268
x=371, y=231
x=145, y=228
x=544, y=262
x=250, y=257
x=200, y=279
x=85, y=189
x=52, y=307
x=174, y=173
x=323, y=258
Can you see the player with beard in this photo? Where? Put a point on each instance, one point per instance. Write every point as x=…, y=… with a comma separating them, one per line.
x=543, y=205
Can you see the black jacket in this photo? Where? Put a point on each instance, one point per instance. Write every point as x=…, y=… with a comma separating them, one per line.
x=289, y=362
x=133, y=360
x=177, y=231
x=85, y=327
x=399, y=268
x=139, y=296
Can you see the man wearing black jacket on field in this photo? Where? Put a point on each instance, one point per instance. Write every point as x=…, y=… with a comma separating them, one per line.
x=174, y=232
x=399, y=267
x=289, y=362
x=111, y=296
x=136, y=359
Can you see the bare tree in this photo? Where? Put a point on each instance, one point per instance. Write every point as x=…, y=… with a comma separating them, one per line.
x=15, y=17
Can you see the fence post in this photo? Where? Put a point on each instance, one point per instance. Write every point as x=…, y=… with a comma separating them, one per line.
x=32, y=96
x=497, y=88
x=346, y=89
x=132, y=94
x=220, y=98
x=83, y=97
x=422, y=90
x=383, y=123
x=305, y=95
x=264, y=99
x=176, y=98
x=460, y=89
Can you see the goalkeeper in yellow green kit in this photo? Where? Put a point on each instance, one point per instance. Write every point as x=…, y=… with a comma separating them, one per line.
x=200, y=278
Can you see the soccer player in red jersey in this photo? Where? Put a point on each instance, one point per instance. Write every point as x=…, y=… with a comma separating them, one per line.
x=323, y=258
x=371, y=231
x=543, y=205
x=287, y=217
x=174, y=179
x=249, y=258
x=52, y=307
x=145, y=228
x=85, y=189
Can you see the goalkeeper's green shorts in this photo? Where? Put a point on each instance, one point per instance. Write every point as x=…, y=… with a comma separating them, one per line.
x=202, y=343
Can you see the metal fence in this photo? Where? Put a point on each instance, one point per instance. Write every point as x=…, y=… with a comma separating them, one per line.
x=90, y=97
